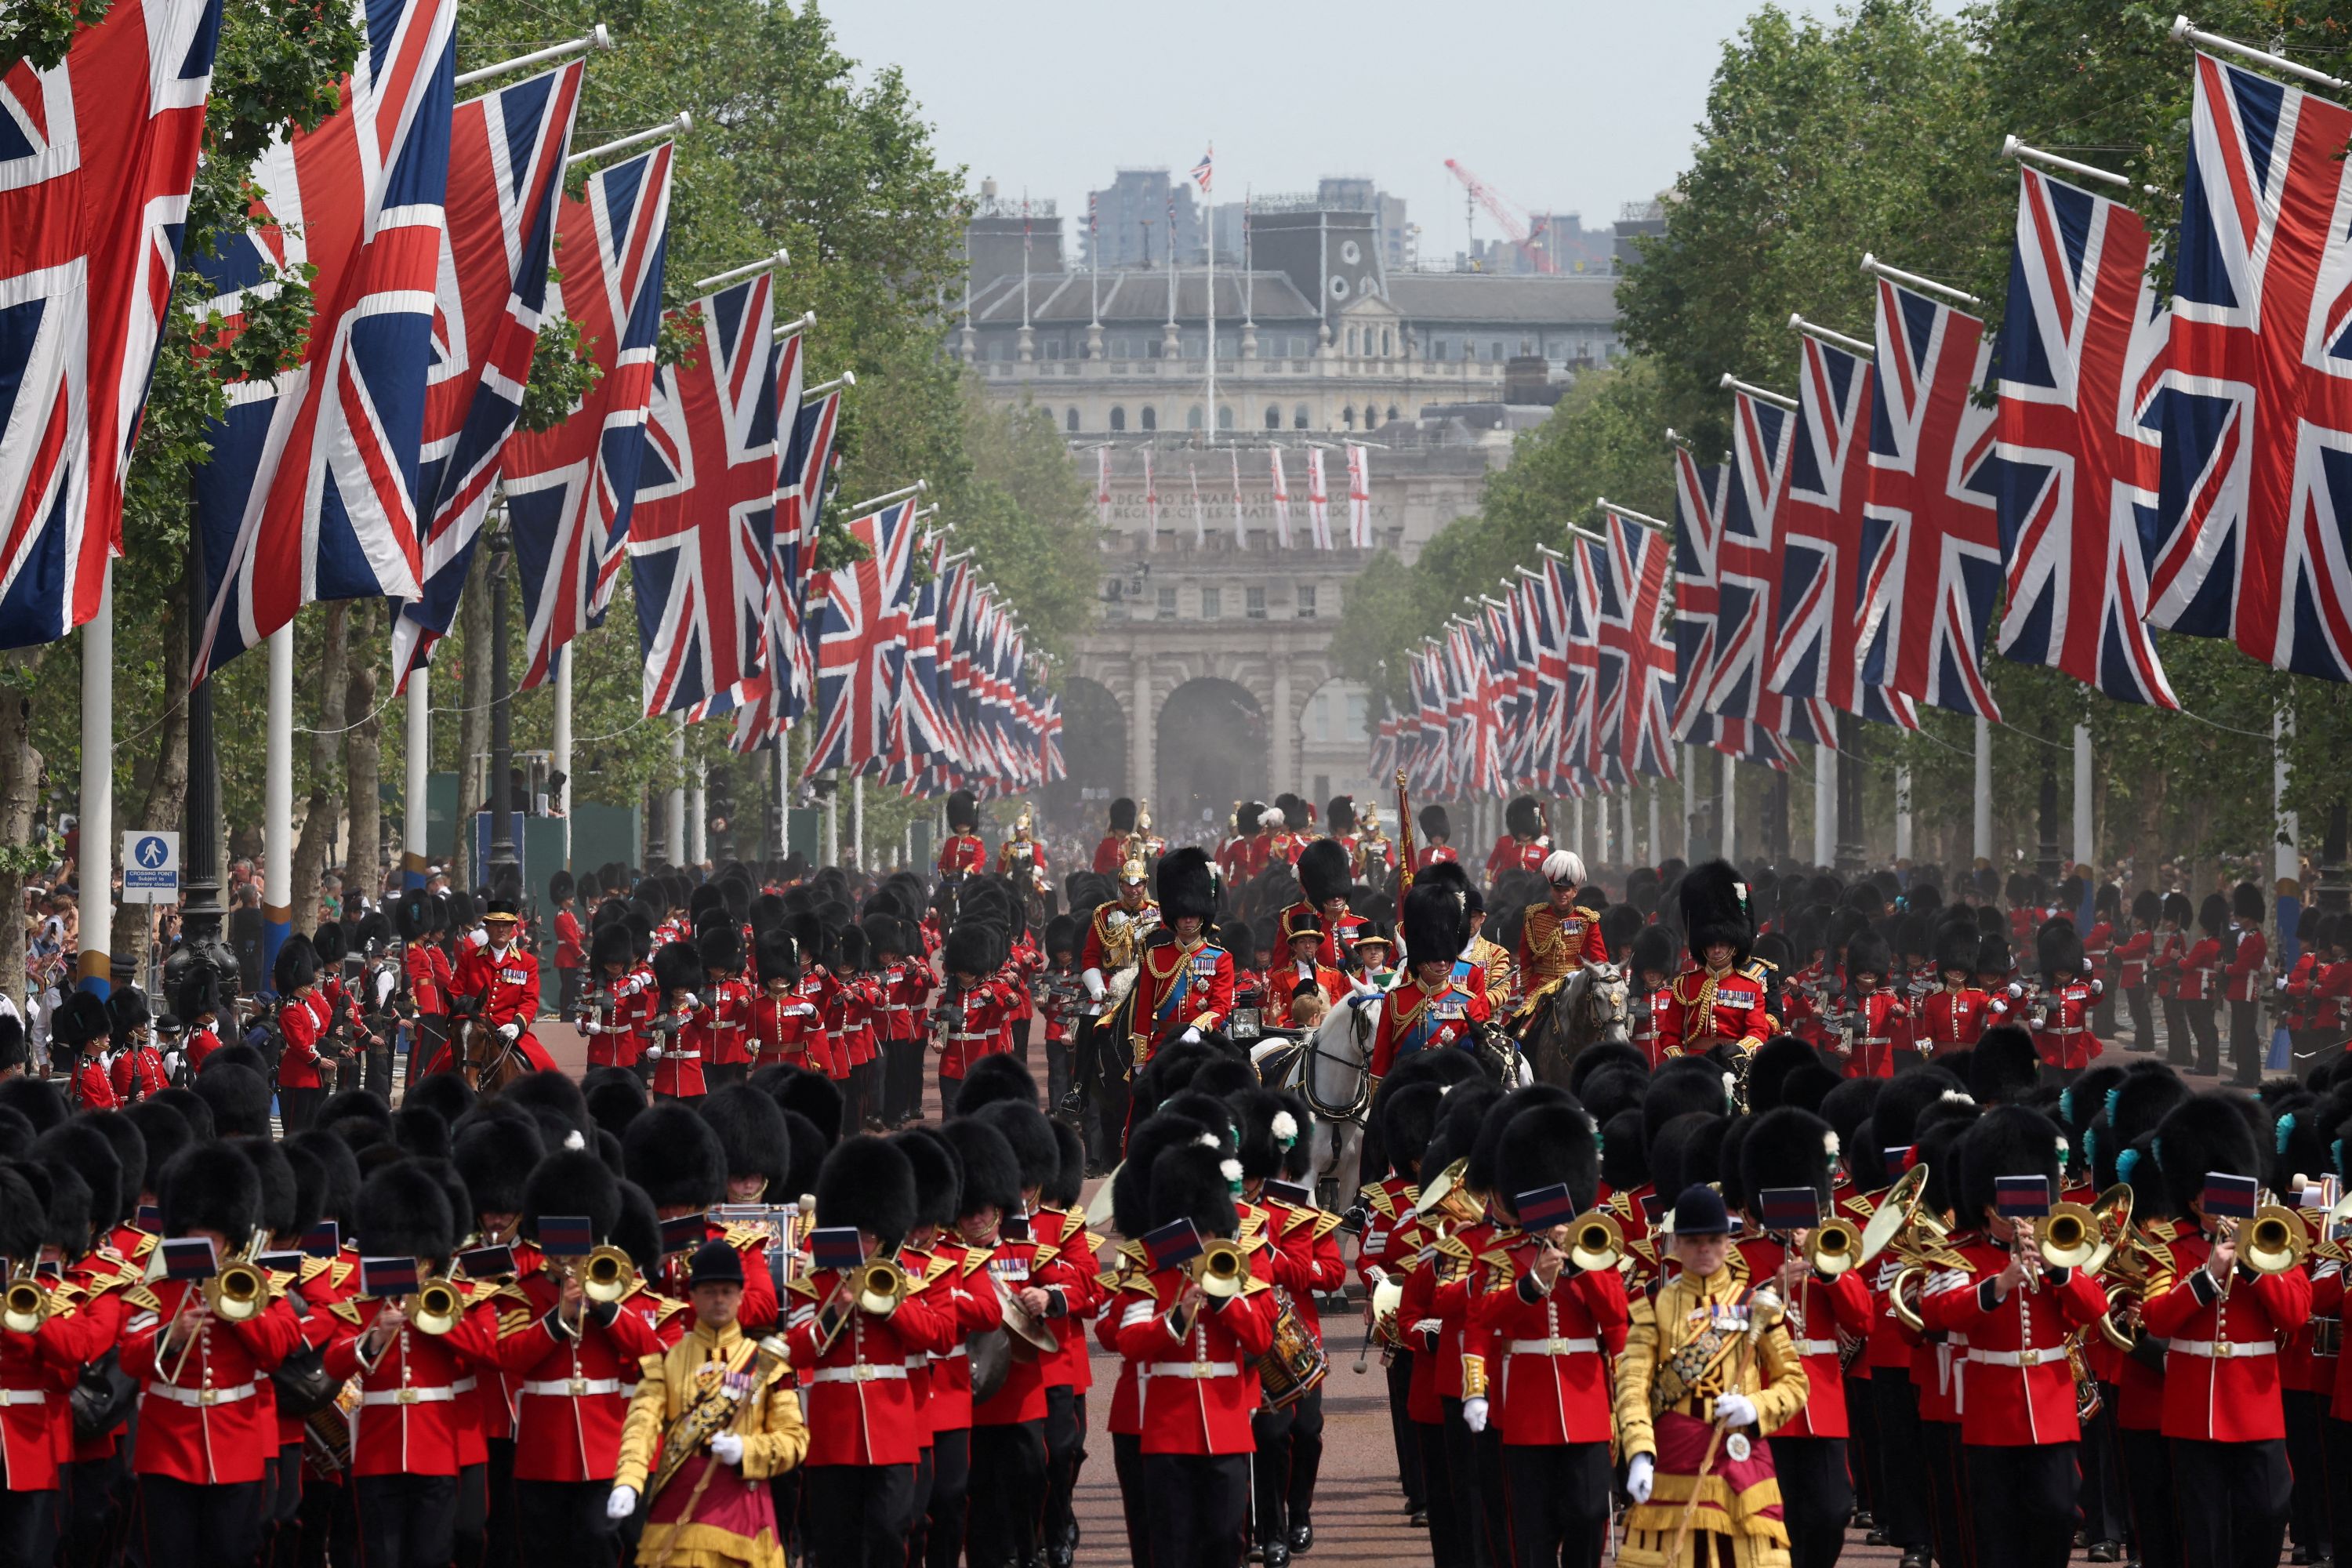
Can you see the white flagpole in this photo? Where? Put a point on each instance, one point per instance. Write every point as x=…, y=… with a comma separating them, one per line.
x=698, y=817
x=1981, y=842
x=1656, y=786
x=1727, y=813
x=278, y=800
x=857, y=819
x=1903, y=814
x=1825, y=766
x=674, y=815
x=2083, y=847
x=95, y=872
x=562, y=745
x=420, y=771
x=2286, y=853
x=1576, y=826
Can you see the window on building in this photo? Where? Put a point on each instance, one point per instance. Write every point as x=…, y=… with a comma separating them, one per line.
x=996, y=348
x=1319, y=718
x=1351, y=342
x=1152, y=347
x=1358, y=717
x=1070, y=422
x=1439, y=349
x=1118, y=416
x=1118, y=348
x=1167, y=603
x=1306, y=601
x=1526, y=347
x=1495, y=351
x=1224, y=417
x=1392, y=414
x=1150, y=417
x=1371, y=417
x=1213, y=603
x=1048, y=413
x=1347, y=419
x=1298, y=348
x=1053, y=348
x=1388, y=343
x=1254, y=604
x=1192, y=417
x=1299, y=418
x=1228, y=346
x=1193, y=348
x=1273, y=415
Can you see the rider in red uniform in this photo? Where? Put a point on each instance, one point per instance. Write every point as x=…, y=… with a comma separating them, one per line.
x=1524, y=846
x=963, y=854
x=504, y=976
x=1720, y=1001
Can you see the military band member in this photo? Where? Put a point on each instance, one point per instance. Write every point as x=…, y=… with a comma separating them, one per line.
x=1953, y=1016
x=720, y=1029
x=1875, y=1016
x=1525, y=845
x=671, y=1043
x=963, y=854
x=1717, y=1001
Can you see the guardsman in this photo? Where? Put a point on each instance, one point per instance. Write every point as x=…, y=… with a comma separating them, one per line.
x=1650, y=966
x=1526, y=843
x=1558, y=936
x=2246, y=952
x=676, y=1055
x=1110, y=849
x=1545, y=1333
x=2063, y=1033
x=1116, y=930
x=1433, y=1011
x=575, y=1357
x=29, y=1459
x=973, y=1012
x=1406, y=1115
x=713, y=1419
x=675, y=1154
x=1874, y=1014
x=2099, y=948
x=1953, y=1016
x=1718, y=1000
x=2221, y=1323
x=1278, y=1239
x=785, y=1026
x=1237, y=856
x=2133, y=956
x=851, y=1347
x=1194, y=1339
x=78, y=1034
x=1183, y=982
x=1436, y=839
x=424, y=970
x=2165, y=971
x=2018, y=1417
x=1707, y=1375
x=138, y=1067
x=720, y=1028
x=302, y=1022
x=198, y=1003
x=963, y=854
x=503, y=975
x=2200, y=982
x=609, y=1011
x=1324, y=881
x=571, y=947
x=1060, y=1222
x=205, y=1435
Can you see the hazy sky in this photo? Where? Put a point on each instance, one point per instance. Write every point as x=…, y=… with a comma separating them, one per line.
x=1567, y=105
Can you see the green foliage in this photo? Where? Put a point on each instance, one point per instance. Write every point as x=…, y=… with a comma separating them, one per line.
x=41, y=31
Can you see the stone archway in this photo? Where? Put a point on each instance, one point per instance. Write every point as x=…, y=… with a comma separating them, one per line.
x=1211, y=749
x=1094, y=750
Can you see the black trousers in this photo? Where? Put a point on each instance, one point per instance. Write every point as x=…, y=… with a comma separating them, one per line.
x=93, y=1508
x=951, y=1090
x=2105, y=1516
x=2336, y=1442
x=1194, y=1504
x=1066, y=1452
x=1405, y=1435
x=2229, y=1501
x=2209, y=1042
x=1462, y=1466
x=189, y=1525
x=1305, y=1456
x=2249, y=1043
x=1021, y=1039
x=1057, y=1075
x=1816, y=1494
x=1127, y=1463
x=2179, y=1047
x=564, y=1521
x=1862, y=1439
x=2024, y=1501
x=1557, y=1496
x=406, y=1521
x=1272, y=1430
x=1450, y=1515
x=951, y=1503
x=2147, y=1483
x=568, y=983
x=2143, y=1019
x=1902, y=1503
x=919, y=1534
x=297, y=1109
x=27, y=1529
x=859, y=1515
x=1944, y=1463
x=902, y=1080
x=470, y=1529
x=1008, y=1493
x=498, y=1528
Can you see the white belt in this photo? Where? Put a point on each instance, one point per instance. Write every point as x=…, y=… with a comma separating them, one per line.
x=1817, y=1347
x=682, y=1056
x=1553, y=1347
x=985, y=1034
x=23, y=1396
x=408, y=1396
x=573, y=1387
x=463, y=1386
x=201, y=1396
x=864, y=1372
x=1193, y=1369
x=955, y=1354
x=2223, y=1350
x=2050, y=1357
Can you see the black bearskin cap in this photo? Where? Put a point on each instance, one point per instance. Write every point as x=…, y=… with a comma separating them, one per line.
x=238, y=1097
x=720, y=946
x=676, y=967
x=1122, y=815
x=1774, y=1060
x=964, y=812
x=675, y=1155
x=126, y=1010
x=2011, y=1140
x=1340, y=814
x=496, y=1158
x=993, y=1078
x=971, y=947
x=1548, y=1145
x=1895, y=1109
x=2213, y=914
x=339, y=1194
x=1715, y=909
x=130, y=1145
x=1788, y=1148
x=1434, y=924
x=1601, y=1057
x=2147, y=1095
x=1868, y=955
x=573, y=1182
x=1809, y=1087
x=1187, y=885
x=868, y=1183
x=1956, y=948
x=638, y=1230
x=1130, y=1185
x=1264, y=1125
x=405, y=1213
x=810, y=1094
x=775, y=958
x=2058, y=949
x=1323, y=871
x=91, y=1156
x=1624, y=1164
x=2246, y=903
x=1191, y=1182
x=1407, y=1119
x=1688, y=1151
x=2004, y=1067
x=991, y=1171
x=2209, y=1131
x=78, y=1019
x=1434, y=823
x=1683, y=1085
x=1652, y=950
x=211, y=1187
x=610, y=944
x=1523, y=818
x=938, y=1179
x=296, y=965
x=752, y=1137
x=1069, y=1182
x=1030, y=1136
x=1993, y=955
x=66, y=1205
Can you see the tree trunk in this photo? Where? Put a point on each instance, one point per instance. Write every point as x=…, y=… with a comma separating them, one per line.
x=363, y=770
x=326, y=748
x=473, y=726
x=167, y=784
x=20, y=793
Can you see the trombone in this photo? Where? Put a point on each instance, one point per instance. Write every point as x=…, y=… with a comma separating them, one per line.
x=1593, y=1241
x=436, y=1308
x=1833, y=1248
x=607, y=1275
x=1222, y=1269
x=2078, y=1237
x=26, y=1305
x=2275, y=1240
x=239, y=1291
x=882, y=1284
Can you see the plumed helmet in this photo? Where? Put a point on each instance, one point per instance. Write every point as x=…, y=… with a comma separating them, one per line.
x=993, y=1078
x=1187, y=885
x=964, y=812
x=1564, y=869
x=1323, y=871
x=1434, y=823
x=2004, y=1067
x=1715, y=909
x=1194, y=1182
x=1433, y=923
x=211, y=1187
x=405, y=1213
x=2008, y=1141
x=991, y=1171
x=2246, y=903
x=1788, y=1148
x=1548, y=1145
x=753, y=1138
x=1523, y=816
x=675, y=1155
x=2058, y=948
x=1339, y=815
x=2208, y=1133
x=869, y=1183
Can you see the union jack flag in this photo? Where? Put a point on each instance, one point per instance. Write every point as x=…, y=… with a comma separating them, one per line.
x=1748, y=572
x=919, y=737
x=759, y=715
x=312, y=489
x=1634, y=692
x=1202, y=174
x=857, y=663
x=97, y=157
x=800, y=507
x=1929, y=565
x=2248, y=542
x=1548, y=618
x=1820, y=537
x=1699, y=527
x=570, y=489
x=2082, y=358
x=1581, y=742
x=506, y=174
x=706, y=514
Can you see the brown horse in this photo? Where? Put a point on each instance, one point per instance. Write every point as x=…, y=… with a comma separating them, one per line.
x=489, y=1061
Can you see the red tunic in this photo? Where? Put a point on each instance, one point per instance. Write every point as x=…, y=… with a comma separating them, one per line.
x=570, y=953
x=570, y=1386
x=2220, y=1365
x=963, y=855
x=204, y=1418
x=1199, y=1378
x=1548, y=1353
x=1418, y=1018
x=507, y=983
x=854, y=1389
x=2018, y=1391
x=1952, y=1020
x=1511, y=854
x=1179, y=987
x=1700, y=1008
x=2063, y=1035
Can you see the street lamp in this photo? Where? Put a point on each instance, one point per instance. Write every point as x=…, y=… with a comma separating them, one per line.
x=200, y=906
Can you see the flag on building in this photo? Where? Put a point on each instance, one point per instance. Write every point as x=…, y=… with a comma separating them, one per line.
x=1360, y=498
x=97, y=157
x=1318, y=499
x=1281, y=498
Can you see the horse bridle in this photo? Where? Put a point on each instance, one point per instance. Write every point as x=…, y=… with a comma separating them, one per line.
x=1312, y=1051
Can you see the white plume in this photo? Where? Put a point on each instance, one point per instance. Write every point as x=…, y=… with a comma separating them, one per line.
x=1286, y=1126
x=575, y=1140
x=1229, y=1169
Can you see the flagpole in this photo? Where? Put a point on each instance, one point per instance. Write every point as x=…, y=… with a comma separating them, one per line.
x=1982, y=840
x=857, y=819
x=413, y=858
x=1825, y=763
x=1903, y=826
x=674, y=815
x=597, y=38
x=94, y=867
x=697, y=815
x=1656, y=786
x=1726, y=813
x=562, y=745
x=2083, y=847
x=278, y=801
x=668, y=128
x=1209, y=229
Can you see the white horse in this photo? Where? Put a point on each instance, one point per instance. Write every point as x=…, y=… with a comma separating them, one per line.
x=1331, y=1071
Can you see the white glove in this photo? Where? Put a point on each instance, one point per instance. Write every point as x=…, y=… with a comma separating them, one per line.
x=1093, y=977
x=1734, y=1410
x=727, y=1447
x=592, y=1027
x=621, y=1503
x=1473, y=1413
x=688, y=1002
x=1638, y=1475
x=1191, y=1036
x=510, y=1031
x=653, y=1053
x=172, y=1064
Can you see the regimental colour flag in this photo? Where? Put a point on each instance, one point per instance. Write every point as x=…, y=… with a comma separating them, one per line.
x=97, y=157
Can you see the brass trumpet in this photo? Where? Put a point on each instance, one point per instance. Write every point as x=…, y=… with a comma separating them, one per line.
x=882, y=1284
x=238, y=1293
x=1596, y=1242
x=1222, y=1269
x=2070, y=1237
x=607, y=1275
x=436, y=1308
x=1833, y=1248
x=2275, y=1240
x=25, y=1307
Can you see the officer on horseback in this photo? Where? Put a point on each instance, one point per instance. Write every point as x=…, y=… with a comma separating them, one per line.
x=1557, y=937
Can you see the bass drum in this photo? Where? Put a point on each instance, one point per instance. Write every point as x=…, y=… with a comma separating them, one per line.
x=991, y=1359
x=1294, y=1363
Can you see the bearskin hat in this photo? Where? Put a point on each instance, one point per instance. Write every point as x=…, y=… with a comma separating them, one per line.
x=1433, y=923
x=1602, y=1055
x=2009, y=1140
x=1406, y=1120
x=810, y=1094
x=1956, y=948
x=2083, y=1101
x=2213, y=914
x=296, y=965
x=1651, y=952
x=1939, y=1148
x=1545, y=1146
x=130, y=1145
x=126, y=1010
x=1688, y=1151
x=1435, y=822
x=939, y=1176
x=2246, y=903
x=616, y=1098
x=993, y=1078
x=675, y=1156
x=1247, y=816
x=1624, y=1163
x=2058, y=948
x=166, y=1133
x=1323, y=871
x=752, y=1138
x=610, y=944
x=1130, y=1183
x=1894, y=1112
x=1681, y=1085
x=65, y=1201
x=2004, y=1067
x=1992, y=955
x=495, y=1158
x=91, y=1155
x=446, y=1094
x=1715, y=909
x=1523, y=818
x=1069, y=1182
x=964, y=812
x=330, y=944
x=705, y=900
x=868, y=1183
x=211, y=1187
x=774, y=957
x=553, y=1090
x=238, y=1097
x=2209, y=1131
x=81, y=1019
x=678, y=966
x=1788, y=1148
x=1809, y=1086
x=2149, y=1092
x=971, y=949
x=720, y=946
x=1122, y=815
x=405, y=1213
x=1774, y=1060
x=573, y=1182
x=1607, y=1093
x=1031, y=1137
x=1620, y=926
x=1187, y=885
x=1268, y=1130
x=1195, y=1183
x=991, y=1171
x=1340, y=814
x=1866, y=953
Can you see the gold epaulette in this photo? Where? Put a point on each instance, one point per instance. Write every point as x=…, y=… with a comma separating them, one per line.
x=1133, y=1252
x=141, y=1248
x=1043, y=1255
x=1412, y=1193
x=1292, y=1218
x=349, y=1311
x=1252, y=1231
x=975, y=1258
x=1376, y=1194
x=1110, y=1278
x=510, y=1323
x=744, y=1237
x=938, y=1266
x=338, y=1271
x=311, y=1268
x=1498, y=1258
x=665, y=1308
x=1325, y=1223
x=1256, y=1285
x=143, y=1297
x=1454, y=1248
x=1094, y=1241
x=801, y=1285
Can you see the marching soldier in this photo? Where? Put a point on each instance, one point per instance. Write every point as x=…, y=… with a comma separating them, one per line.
x=611, y=995
x=1953, y=1016
x=2063, y=1033
x=1436, y=839
x=138, y=1067
x=1526, y=844
x=1717, y=1001
x=1110, y=849
x=2246, y=952
x=963, y=854
x=571, y=953
x=1873, y=1014
x=302, y=1023
x=676, y=1055
x=720, y=1029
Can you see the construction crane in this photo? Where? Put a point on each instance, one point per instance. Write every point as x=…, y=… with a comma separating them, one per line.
x=1526, y=232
